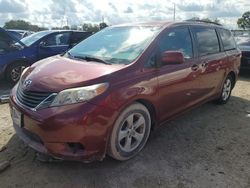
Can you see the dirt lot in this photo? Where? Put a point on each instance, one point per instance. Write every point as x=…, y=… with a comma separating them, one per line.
x=207, y=147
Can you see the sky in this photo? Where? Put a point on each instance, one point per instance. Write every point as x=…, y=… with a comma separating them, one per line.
x=57, y=13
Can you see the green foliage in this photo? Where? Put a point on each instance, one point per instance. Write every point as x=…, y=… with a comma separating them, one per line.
x=103, y=25
x=244, y=21
x=90, y=27
x=61, y=28
x=21, y=24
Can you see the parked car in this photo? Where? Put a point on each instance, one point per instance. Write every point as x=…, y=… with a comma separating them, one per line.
x=244, y=45
x=106, y=94
x=16, y=54
x=19, y=34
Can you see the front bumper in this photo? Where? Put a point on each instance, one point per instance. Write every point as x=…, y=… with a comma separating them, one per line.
x=56, y=131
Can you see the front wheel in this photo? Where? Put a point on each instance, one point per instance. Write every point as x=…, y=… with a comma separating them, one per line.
x=226, y=91
x=14, y=71
x=130, y=132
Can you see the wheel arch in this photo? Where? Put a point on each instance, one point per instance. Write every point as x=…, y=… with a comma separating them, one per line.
x=152, y=110
x=233, y=75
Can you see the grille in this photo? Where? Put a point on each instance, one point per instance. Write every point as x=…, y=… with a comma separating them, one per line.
x=32, y=99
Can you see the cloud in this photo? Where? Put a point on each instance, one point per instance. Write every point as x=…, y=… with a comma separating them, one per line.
x=75, y=12
x=190, y=7
x=129, y=10
x=12, y=6
x=113, y=7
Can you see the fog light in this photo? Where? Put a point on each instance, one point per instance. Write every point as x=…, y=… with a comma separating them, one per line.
x=75, y=146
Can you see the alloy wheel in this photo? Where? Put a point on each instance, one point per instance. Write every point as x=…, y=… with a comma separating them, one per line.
x=132, y=132
x=226, y=89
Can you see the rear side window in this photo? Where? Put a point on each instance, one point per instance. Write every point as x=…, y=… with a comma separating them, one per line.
x=227, y=39
x=207, y=41
x=177, y=39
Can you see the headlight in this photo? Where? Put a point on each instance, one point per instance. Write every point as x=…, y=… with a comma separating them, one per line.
x=24, y=70
x=76, y=95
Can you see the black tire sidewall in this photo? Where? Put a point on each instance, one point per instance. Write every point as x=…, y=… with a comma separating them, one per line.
x=9, y=70
x=114, y=149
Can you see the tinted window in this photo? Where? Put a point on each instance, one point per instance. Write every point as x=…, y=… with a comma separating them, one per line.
x=78, y=37
x=207, y=41
x=177, y=39
x=227, y=39
x=57, y=39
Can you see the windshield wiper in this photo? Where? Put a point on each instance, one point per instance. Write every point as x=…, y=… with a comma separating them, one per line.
x=91, y=58
x=88, y=58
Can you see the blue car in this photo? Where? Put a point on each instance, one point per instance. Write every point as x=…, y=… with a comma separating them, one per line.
x=16, y=54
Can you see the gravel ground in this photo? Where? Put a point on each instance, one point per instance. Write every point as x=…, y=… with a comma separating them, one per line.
x=206, y=147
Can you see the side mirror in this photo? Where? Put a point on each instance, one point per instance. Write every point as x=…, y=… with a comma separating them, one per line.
x=172, y=57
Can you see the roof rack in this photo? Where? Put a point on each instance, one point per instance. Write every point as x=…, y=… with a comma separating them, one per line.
x=204, y=21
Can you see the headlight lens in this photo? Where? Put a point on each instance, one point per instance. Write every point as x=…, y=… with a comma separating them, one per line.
x=24, y=70
x=76, y=95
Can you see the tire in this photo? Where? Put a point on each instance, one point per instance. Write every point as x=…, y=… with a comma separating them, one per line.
x=226, y=90
x=13, y=71
x=130, y=132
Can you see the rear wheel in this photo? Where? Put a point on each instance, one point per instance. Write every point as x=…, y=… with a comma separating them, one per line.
x=130, y=132
x=226, y=90
x=14, y=71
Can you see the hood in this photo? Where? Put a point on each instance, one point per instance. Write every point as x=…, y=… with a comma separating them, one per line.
x=11, y=37
x=58, y=73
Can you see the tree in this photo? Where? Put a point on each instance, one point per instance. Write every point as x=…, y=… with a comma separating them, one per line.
x=21, y=24
x=244, y=21
x=103, y=25
x=90, y=27
x=65, y=27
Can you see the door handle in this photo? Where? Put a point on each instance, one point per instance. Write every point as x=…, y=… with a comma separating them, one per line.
x=195, y=67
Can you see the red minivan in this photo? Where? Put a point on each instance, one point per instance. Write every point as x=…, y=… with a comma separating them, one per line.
x=106, y=94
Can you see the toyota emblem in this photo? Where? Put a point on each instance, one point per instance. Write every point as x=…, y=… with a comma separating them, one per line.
x=27, y=83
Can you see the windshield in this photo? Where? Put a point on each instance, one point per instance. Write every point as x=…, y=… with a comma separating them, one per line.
x=29, y=40
x=116, y=45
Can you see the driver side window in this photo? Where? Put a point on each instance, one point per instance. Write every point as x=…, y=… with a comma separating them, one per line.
x=59, y=39
x=177, y=39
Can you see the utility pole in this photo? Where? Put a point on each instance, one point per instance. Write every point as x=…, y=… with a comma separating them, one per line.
x=174, y=11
